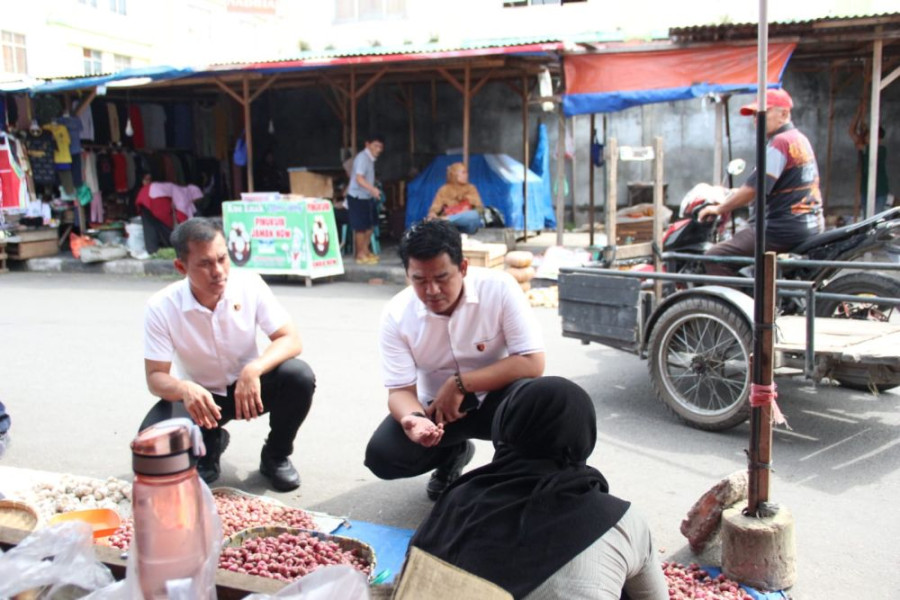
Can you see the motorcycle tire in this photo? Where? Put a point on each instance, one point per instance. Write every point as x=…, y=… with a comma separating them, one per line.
x=699, y=361
x=860, y=284
x=862, y=377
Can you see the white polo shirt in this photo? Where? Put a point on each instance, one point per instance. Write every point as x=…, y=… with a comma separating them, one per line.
x=211, y=347
x=493, y=320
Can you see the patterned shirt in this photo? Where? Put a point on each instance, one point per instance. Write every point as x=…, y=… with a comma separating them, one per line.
x=793, y=198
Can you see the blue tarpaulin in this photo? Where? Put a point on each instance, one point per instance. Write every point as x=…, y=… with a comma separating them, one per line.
x=498, y=178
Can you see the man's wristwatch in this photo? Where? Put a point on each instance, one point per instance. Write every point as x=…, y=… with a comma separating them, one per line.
x=418, y=413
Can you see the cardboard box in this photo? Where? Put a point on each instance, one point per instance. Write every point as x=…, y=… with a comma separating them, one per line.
x=312, y=185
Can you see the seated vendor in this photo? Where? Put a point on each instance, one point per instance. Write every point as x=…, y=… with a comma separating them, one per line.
x=458, y=201
x=537, y=520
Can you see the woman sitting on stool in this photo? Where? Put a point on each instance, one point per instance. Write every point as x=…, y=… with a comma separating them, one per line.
x=458, y=201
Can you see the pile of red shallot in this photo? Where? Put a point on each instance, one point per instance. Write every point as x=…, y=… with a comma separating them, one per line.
x=288, y=557
x=689, y=582
x=237, y=513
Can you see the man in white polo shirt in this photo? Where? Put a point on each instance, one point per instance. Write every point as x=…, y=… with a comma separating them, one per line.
x=454, y=345
x=207, y=324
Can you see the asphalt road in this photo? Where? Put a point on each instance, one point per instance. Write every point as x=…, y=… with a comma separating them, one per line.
x=71, y=375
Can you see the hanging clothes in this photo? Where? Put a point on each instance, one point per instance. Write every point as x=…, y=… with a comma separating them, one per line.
x=115, y=131
x=87, y=121
x=137, y=124
x=154, y=116
x=90, y=171
x=13, y=182
x=120, y=172
x=40, y=149
x=101, y=121
x=105, y=178
x=61, y=155
x=184, y=126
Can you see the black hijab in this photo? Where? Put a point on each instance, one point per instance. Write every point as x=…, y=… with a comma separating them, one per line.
x=536, y=505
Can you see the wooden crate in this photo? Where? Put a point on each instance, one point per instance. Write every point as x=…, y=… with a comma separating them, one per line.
x=485, y=255
x=33, y=243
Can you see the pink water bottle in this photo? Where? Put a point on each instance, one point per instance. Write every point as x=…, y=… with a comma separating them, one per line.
x=169, y=526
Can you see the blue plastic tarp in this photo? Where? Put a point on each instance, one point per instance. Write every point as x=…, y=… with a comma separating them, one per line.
x=498, y=178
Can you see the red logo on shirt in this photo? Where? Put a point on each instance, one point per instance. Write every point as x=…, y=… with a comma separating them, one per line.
x=237, y=307
x=480, y=347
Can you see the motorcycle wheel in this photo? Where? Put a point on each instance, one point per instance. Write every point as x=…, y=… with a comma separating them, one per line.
x=860, y=284
x=862, y=377
x=699, y=361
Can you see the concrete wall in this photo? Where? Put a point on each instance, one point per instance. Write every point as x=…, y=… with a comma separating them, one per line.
x=309, y=134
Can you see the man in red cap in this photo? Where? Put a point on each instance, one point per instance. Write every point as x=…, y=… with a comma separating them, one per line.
x=793, y=199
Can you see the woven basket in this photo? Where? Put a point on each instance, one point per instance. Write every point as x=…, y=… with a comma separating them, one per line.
x=18, y=515
x=346, y=544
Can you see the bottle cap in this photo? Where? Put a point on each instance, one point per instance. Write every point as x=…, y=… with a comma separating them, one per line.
x=166, y=448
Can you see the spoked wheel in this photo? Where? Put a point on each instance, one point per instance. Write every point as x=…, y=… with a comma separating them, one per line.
x=700, y=363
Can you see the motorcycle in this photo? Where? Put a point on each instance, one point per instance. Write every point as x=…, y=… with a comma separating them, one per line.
x=879, y=235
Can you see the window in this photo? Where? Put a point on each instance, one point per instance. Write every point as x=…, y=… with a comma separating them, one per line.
x=368, y=10
x=91, y=3
x=93, y=63
x=121, y=62
x=14, y=53
x=117, y=6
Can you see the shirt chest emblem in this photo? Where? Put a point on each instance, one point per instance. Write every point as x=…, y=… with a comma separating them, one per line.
x=479, y=347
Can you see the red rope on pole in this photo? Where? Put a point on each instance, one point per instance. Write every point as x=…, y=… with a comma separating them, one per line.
x=765, y=395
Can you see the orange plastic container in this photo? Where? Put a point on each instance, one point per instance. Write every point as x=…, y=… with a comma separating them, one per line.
x=105, y=521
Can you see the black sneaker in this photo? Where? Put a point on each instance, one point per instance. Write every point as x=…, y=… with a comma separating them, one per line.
x=279, y=471
x=449, y=472
x=208, y=466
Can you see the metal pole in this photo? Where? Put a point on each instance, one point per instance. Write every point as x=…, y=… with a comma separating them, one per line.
x=248, y=129
x=763, y=305
x=591, y=181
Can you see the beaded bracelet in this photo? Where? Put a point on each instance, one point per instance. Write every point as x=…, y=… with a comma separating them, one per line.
x=459, y=384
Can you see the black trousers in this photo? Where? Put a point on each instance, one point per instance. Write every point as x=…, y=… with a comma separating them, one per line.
x=156, y=233
x=390, y=454
x=286, y=391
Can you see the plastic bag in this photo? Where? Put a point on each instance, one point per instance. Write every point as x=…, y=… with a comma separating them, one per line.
x=69, y=545
x=77, y=242
x=335, y=581
x=240, y=152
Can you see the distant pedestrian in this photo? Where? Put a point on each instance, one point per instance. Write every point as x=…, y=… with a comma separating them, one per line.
x=362, y=196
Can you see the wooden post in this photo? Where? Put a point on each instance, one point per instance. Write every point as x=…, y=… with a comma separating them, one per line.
x=410, y=107
x=525, y=158
x=467, y=101
x=612, y=164
x=874, y=120
x=591, y=194
x=248, y=132
x=352, y=112
x=761, y=416
x=830, y=144
x=560, y=176
x=717, y=152
x=658, y=188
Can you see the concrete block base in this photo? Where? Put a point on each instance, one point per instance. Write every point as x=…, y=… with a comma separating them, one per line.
x=759, y=552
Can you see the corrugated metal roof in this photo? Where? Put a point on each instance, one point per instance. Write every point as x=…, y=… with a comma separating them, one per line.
x=411, y=51
x=728, y=31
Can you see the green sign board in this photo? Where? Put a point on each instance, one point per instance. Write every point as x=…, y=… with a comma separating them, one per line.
x=285, y=237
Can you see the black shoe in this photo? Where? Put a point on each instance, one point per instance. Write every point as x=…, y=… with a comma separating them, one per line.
x=449, y=472
x=208, y=466
x=279, y=471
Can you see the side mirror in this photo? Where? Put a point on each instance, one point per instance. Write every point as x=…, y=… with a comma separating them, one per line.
x=737, y=166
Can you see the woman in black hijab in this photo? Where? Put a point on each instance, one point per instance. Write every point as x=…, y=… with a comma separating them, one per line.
x=537, y=520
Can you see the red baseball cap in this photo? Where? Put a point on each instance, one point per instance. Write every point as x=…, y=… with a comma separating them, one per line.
x=774, y=98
